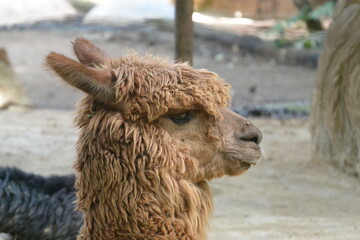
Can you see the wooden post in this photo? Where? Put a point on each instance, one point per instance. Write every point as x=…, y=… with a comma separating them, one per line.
x=184, y=30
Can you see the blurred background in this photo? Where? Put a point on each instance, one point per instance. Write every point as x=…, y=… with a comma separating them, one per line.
x=307, y=186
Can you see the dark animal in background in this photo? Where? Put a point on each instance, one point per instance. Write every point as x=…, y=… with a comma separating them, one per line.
x=33, y=207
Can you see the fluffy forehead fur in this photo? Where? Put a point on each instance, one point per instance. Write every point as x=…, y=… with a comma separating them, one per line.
x=150, y=86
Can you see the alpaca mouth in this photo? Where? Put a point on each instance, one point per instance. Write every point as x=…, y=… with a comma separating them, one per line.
x=252, y=158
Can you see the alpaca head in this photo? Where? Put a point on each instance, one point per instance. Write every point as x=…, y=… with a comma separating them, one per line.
x=189, y=104
x=152, y=133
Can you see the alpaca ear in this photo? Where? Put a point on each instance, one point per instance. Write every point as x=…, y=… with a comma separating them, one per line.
x=95, y=82
x=88, y=54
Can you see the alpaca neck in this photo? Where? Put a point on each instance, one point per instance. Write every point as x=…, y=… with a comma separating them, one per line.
x=167, y=212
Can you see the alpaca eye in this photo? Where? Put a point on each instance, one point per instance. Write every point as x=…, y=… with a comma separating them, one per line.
x=181, y=118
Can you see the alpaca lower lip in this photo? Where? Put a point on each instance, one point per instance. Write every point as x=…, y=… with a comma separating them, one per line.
x=252, y=160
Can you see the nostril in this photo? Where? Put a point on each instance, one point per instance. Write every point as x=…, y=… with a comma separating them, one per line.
x=248, y=133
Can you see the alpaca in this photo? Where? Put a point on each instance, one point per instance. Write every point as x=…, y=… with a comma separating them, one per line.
x=33, y=207
x=151, y=135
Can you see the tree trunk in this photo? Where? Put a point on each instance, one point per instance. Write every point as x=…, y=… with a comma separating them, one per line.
x=336, y=102
x=184, y=30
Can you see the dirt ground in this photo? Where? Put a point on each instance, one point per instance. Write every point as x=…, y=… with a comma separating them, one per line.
x=287, y=196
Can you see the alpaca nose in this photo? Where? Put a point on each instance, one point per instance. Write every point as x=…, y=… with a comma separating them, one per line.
x=251, y=134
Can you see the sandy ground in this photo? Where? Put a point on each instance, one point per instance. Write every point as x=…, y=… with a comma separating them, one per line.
x=287, y=196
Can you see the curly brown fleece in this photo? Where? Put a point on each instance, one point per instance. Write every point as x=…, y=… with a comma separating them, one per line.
x=134, y=180
x=132, y=175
